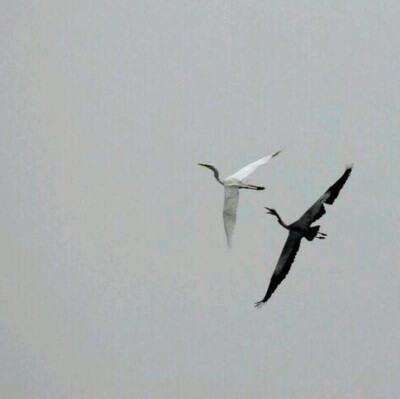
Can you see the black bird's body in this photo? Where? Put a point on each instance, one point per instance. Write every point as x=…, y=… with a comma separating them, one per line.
x=300, y=229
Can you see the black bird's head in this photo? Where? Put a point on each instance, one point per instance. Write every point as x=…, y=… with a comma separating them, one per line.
x=271, y=211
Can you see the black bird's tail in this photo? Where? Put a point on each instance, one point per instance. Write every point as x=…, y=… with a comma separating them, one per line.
x=312, y=233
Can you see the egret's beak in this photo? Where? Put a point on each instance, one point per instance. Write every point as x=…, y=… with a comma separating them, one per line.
x=206, y=165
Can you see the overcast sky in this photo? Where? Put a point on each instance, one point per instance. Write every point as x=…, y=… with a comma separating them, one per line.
x=115, y=277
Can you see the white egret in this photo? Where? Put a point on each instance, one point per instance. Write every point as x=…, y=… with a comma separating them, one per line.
x=301, y=229
x=232, y=184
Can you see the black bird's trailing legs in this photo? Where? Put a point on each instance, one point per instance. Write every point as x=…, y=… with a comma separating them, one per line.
x=321, y=236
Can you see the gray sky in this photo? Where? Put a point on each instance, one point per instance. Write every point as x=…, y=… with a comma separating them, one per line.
x=116, y=281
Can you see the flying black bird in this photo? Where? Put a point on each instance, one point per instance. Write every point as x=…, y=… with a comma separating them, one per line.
x=232, y=184
x=299, y=229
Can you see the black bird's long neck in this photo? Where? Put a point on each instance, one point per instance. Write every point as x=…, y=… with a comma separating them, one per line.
x=281, y=222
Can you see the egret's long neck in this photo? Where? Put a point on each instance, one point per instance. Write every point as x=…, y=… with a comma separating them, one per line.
x=216, y=175
x=214, y=170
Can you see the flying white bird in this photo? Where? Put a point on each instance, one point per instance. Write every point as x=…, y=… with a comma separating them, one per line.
x=232, y=185
x=300, y=229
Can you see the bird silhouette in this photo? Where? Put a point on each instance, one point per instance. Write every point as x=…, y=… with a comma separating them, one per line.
x=300, y=229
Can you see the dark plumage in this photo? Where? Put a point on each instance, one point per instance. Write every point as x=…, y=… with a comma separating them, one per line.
x=302, y=229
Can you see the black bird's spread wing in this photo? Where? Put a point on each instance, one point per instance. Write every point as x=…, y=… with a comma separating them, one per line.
x=285, y=261
x=318, y=209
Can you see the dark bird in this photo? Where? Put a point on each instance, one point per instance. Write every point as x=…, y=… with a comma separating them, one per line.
x=301, y=228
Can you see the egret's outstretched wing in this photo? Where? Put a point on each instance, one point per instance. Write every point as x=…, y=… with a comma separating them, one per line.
x=329, y=196
x=230, y=206
x=251, y=167
x=285, y=261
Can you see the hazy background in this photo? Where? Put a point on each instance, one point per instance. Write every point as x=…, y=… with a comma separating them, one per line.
x=115, y=277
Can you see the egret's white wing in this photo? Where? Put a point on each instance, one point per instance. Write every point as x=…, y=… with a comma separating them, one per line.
x=231, y=202
x=241, y=174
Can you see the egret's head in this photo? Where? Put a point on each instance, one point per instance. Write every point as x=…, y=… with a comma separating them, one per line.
x=207, y=166
x=214, y=170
